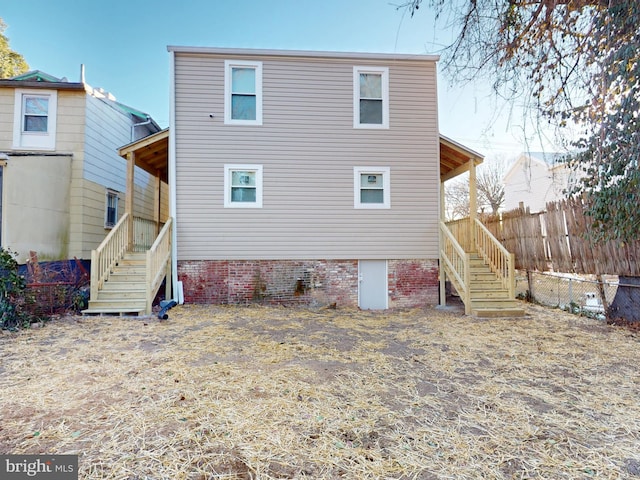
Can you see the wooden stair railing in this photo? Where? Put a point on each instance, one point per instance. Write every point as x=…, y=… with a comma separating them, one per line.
x=107, y=255
x=498, y=258
x=456, y=264
x=158, y=262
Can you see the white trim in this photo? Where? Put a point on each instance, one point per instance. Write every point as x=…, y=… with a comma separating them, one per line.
x=228, y=169
x=303, y=53
x=384, y=73
x=175, y=286
x=34, y=140
x=386, y=187
x=228, y=68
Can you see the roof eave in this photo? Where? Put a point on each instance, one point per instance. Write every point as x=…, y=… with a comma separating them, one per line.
x=302, y=53
x=42, y=85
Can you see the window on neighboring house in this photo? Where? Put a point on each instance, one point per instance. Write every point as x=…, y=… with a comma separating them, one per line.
x=111, y=210
x=243, y=186
x=370, y=97
x=36, y=113
x=372, y=187
x=243, y=92
x=34, y=125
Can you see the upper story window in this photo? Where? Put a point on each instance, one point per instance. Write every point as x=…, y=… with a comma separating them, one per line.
x=34, y=120
x=370, y=97
x=372, y=187
x=243, y=92
x=36, y=113
x=243, y=186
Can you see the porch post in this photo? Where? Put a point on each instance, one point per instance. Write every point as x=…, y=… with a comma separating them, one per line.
x=473, y=203
x=128, y=204
x=443, y=275
x=156, y=201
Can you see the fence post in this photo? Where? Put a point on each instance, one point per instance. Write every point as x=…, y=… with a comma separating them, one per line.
x=603, y=296
x=570, y=292
x=530, y=285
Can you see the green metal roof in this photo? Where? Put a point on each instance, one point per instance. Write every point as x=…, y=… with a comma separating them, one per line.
x=37, y=76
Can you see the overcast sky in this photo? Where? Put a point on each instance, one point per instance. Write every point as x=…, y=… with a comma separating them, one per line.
x=123, y=45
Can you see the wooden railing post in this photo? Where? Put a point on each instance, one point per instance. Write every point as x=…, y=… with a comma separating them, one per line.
x=467, y=284
x=93, y=292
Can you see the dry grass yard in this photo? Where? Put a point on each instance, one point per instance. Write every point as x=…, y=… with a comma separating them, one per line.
x=274, y=393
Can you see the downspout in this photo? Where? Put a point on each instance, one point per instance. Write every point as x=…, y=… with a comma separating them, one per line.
x=177, y=290
x=133, y=127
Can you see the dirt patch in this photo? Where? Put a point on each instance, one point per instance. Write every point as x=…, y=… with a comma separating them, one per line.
x=262, y=393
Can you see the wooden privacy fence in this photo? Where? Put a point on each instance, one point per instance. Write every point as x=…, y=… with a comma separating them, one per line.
x=558, y=240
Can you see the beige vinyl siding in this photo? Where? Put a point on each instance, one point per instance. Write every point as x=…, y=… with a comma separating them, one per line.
x=308, y=147
x=6, y=118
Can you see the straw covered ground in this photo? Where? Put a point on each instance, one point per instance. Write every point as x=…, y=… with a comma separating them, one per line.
x=271, y=392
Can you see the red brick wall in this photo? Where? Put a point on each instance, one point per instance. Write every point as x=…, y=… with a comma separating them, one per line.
x=412, y=283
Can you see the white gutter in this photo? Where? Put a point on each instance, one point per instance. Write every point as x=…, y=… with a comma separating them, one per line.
x=176, y=292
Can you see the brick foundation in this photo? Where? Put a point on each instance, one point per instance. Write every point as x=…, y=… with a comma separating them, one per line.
x=412, y=283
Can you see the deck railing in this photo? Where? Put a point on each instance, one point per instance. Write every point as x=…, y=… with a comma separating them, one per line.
x=110, y=251
x=501, y=262
x=158, y=262
x=144, y=234
x=462, y=233
x=456, y=264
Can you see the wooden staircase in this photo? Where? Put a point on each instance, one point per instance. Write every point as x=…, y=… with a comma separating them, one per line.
x=479, y=268
x=126, y=274
x=125, y=292
x=489, y=298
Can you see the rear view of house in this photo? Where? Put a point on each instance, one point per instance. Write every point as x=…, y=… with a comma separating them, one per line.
x=305, y=177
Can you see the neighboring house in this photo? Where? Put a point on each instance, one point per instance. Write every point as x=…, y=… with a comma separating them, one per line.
x=62, y=181
x=307, y=177
x=536, y=178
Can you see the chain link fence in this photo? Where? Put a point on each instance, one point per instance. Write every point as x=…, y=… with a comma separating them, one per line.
x=573, y=293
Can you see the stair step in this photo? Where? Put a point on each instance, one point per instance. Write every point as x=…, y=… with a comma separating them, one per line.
x=124, y=287
x=491, y=297
x=118, y=277
x=116, y=306
x=484, y=286
x=115, y=311
x=480, y=303
x=130, y=268
x=497, y=312
x=115, y=295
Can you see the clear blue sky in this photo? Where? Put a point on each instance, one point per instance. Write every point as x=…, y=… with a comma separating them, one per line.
x=122, y=44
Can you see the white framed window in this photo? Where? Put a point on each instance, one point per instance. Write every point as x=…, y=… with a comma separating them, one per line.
x=372, y=187
x=242, y=92
x=111, y=209
x=243, y=186
x=34, y=119
x=370, y=97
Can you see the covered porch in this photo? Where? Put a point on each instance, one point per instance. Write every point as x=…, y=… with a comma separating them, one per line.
x=129, y=266
x=476, y=264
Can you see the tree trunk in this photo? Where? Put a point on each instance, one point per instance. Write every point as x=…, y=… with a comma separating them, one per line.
x=626, y=304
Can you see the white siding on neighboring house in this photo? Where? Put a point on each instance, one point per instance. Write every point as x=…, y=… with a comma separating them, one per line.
x=534, y=180
x=308, y=148
x=107, y=127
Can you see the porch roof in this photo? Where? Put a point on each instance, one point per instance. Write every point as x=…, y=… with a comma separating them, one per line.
x=151, y=153
x=455, y=158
